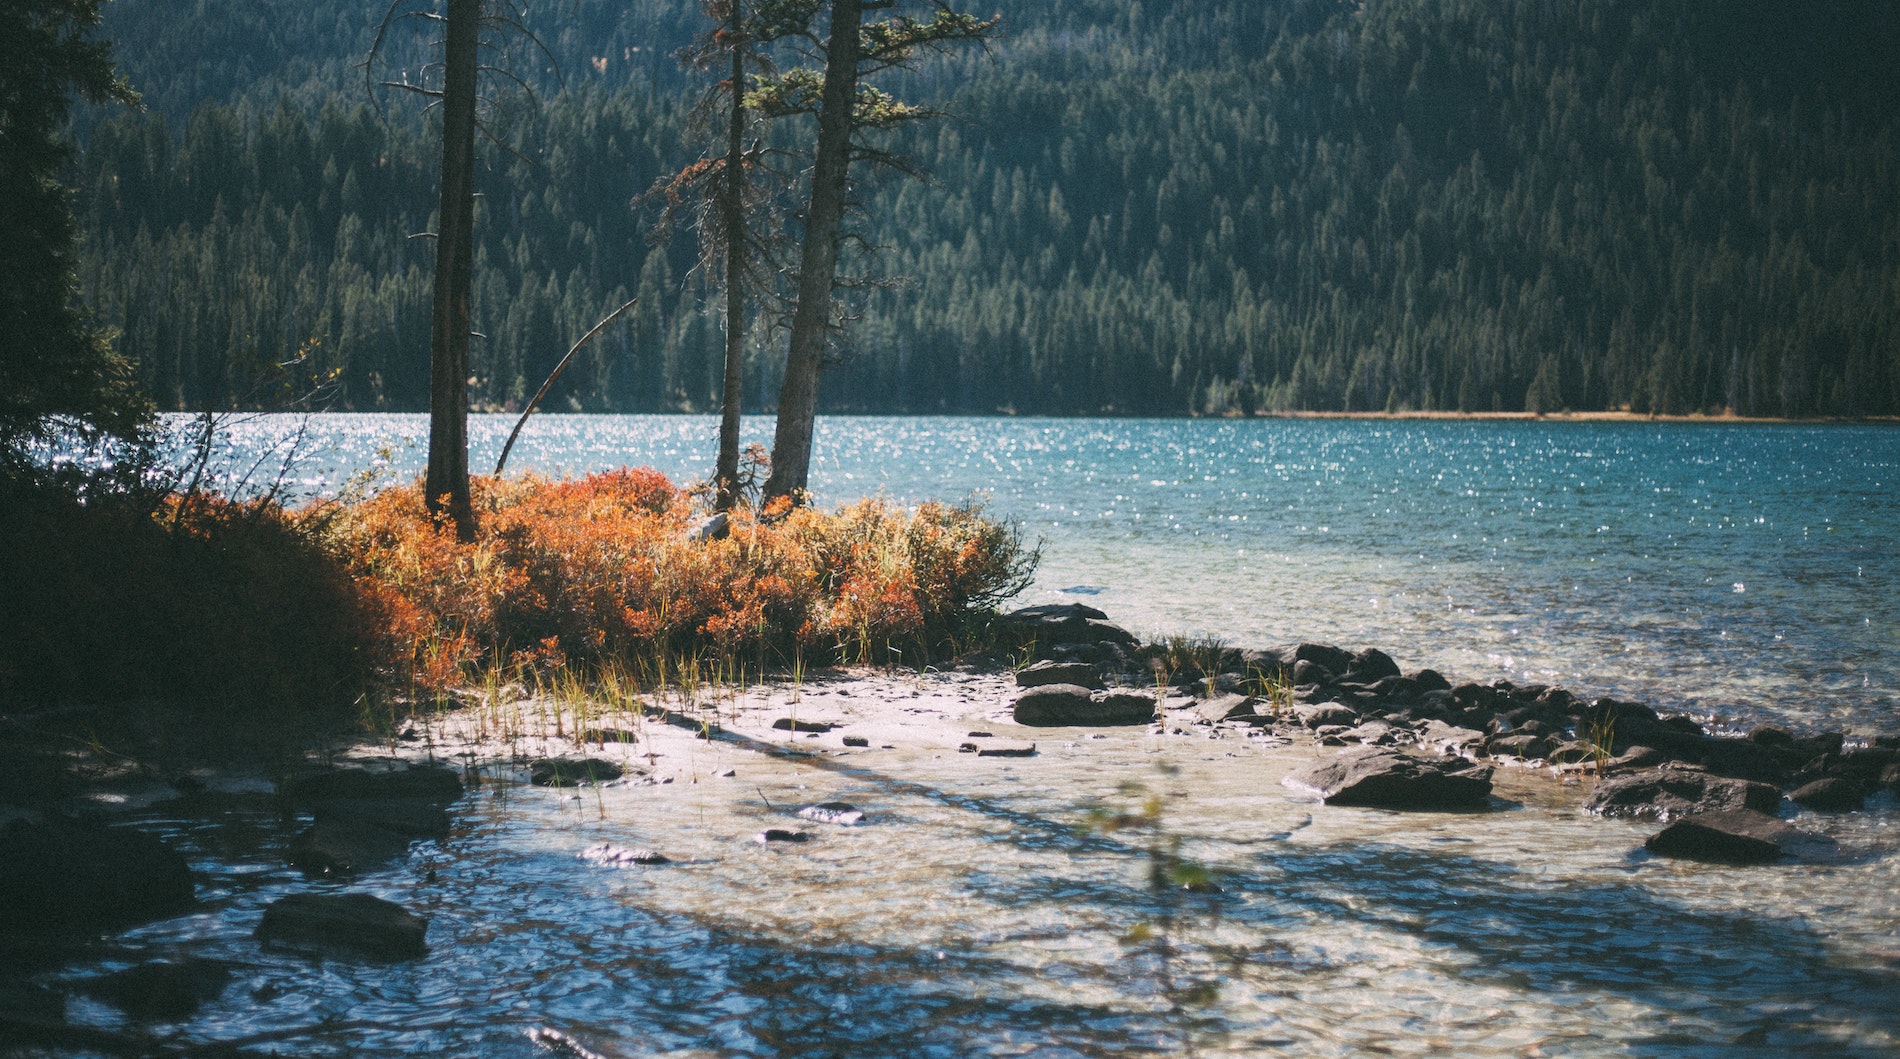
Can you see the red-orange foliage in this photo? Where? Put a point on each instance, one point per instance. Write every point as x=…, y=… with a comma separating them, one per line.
x=605, y=566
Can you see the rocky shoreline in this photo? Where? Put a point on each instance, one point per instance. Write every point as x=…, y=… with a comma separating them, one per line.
x=1420, y=743
x=1378, y=737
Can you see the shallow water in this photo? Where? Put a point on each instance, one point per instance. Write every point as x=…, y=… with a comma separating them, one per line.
x=975, y=912
x=1742, y=571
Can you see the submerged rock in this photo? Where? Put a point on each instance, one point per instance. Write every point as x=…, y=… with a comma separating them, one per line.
x=841, y=813
x=354, y=923
x=1007, y=750
x=345, y=847
x=572, y=772
x=1734, y=836
x=164, y=990
x=612, y=855
x=779, y=834
x=430, y=783
x=410, y=802
x=69, y=876
x=1386, y=779
x=1669, y=793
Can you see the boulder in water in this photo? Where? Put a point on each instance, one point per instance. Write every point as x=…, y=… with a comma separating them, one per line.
x=69, y=876
x=1672, y=792
x=358, y=924
x=1385, y=779
x=1734, y=836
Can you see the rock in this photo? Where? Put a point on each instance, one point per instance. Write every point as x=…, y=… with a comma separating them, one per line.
x=779, y=834
x=1527, y=746
x=1831, y=794
x=841, y=813
x=1007, y=750
x=1370, y=665
x=1060, y=705
x=1430, y=680
x=1742, y=760
x=1331, y=659
x=1226, y=708
x=412, y=802
x=1672, y=792
x=1066, y=623
x=67, y=876
x=1571, y=752
x=345, y=847
x=164, y=990
x=1326, y=713
x=432, y=783
x=615, y=856
x=356, y=923
x=1635, y=757
x=1733, y=836
x=713, y=529
x=1868, y=761
x=1081, y=674
x=1770, y=735
x=413, y=817
x=1372, y=733
x=792, y=724
x=603, y=736
x=1449, y=739
x=856, y=740
x=1890, y=778
x=571, y=772
x=1386, y=779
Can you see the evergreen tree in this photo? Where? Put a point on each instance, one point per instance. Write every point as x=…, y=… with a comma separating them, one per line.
x=59, y=376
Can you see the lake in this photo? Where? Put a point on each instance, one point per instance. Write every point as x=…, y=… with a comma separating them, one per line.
x=1740, y=572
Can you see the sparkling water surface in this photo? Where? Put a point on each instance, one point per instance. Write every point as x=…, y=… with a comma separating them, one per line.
x=1740, y=572
x=1744, y=571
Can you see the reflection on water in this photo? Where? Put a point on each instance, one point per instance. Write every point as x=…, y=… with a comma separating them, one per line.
x=1746, y=570
x=975, y=913
x=1733, y=570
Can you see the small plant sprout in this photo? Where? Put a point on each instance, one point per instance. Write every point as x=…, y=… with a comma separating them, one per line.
x=1170, y=876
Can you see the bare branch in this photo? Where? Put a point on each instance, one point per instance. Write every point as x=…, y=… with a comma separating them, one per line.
x=553, y=375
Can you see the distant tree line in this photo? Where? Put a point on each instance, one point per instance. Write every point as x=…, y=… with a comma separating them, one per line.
x=1665, y=205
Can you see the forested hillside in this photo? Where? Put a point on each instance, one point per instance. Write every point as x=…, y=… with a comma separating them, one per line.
x=1669, y=205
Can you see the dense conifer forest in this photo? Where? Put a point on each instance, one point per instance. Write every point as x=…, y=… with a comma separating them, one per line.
x=1238, y=205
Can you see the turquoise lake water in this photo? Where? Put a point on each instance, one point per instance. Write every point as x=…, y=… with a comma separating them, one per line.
x=1743, y=572
x=1737, y=571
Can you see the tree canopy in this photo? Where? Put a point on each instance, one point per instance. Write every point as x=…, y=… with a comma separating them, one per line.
x=1665, y=205
x=58, y=373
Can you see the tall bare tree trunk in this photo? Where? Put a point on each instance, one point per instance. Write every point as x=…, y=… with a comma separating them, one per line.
x=732, y=204
x=447, y=479
x=818, y=258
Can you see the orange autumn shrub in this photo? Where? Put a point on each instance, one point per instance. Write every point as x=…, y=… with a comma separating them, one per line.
x=607, y=566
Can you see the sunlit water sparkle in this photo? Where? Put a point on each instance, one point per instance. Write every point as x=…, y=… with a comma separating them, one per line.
x=974, y=914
